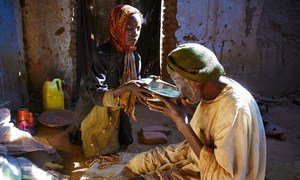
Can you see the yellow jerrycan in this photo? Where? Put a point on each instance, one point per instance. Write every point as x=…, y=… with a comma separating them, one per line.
x=53, y=95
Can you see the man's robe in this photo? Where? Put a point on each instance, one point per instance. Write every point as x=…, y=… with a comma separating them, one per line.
x=231, y=129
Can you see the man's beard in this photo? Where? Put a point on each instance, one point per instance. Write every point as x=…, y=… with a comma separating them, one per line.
x=193, y=96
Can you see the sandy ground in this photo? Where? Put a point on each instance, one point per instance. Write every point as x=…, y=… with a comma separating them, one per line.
x=283, y=157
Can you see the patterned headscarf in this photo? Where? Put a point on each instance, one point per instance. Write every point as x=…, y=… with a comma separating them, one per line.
x=118, y=21
x=117, y=25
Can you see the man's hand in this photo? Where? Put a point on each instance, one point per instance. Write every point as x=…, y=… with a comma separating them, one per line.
x=190, y=108
x=173, y=111
x=179, y=116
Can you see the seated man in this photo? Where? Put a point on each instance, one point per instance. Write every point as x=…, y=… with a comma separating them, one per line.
x=225, y=137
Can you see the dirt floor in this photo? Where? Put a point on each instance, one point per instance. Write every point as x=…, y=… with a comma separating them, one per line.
x=283, y=157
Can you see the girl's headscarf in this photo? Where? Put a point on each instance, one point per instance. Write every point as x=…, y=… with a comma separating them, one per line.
x=117, y=24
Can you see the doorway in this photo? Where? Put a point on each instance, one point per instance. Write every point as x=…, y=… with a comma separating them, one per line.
x=93, y=29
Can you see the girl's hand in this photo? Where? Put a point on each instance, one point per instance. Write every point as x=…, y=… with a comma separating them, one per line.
x=154, y=77
x=139, y=90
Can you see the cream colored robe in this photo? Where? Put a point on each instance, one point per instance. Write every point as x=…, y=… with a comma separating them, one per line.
x=232, y=131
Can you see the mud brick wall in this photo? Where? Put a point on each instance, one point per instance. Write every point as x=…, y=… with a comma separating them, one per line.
x=49, y=41
x=168, y=40
x=256, y=41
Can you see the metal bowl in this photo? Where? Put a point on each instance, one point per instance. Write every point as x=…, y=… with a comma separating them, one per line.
x=155, y=101
x=163, y=88
x=56, y=118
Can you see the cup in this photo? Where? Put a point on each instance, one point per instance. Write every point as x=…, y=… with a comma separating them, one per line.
x=25, y=115
x=22, y=114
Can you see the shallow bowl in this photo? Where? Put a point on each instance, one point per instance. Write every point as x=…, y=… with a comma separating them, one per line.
x=163, y=88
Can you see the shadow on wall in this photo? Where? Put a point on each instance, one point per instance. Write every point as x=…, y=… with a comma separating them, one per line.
x=13, y=90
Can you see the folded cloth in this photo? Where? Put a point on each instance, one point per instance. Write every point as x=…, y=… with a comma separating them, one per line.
x=18, y=142
x=21, y=168
x=31, y=171
x=10, y=168
x=4, y=115
x=15, y=141
x=4, y=128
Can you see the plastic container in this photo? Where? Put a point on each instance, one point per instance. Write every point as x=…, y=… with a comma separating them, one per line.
x=23, y=114
x=53, y=95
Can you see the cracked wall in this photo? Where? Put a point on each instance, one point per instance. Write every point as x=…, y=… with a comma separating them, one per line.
x=47, y=40
x=256, y=41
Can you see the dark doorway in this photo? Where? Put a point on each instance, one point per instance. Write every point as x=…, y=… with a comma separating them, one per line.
x=149, y=42
x=92, y=17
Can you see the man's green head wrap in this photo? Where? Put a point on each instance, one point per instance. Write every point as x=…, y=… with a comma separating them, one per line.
x=195, y=62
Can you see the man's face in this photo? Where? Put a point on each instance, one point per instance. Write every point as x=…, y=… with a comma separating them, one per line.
x=133, y=29
x=193, y=95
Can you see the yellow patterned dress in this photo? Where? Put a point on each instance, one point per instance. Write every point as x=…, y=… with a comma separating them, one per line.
x=97, y=113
